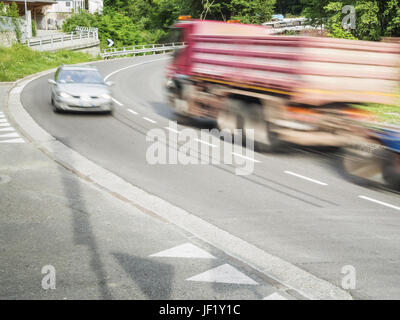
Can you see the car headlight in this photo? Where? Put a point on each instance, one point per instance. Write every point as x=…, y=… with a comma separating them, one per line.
x=64, y=95
x=106, y=96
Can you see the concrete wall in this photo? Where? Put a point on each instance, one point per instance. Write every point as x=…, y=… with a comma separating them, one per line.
x=7, y=38
x=94, y=51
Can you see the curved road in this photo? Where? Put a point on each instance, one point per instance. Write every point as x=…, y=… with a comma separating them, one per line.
x=295, y=205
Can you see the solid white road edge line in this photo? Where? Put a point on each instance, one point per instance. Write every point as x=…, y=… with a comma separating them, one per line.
x=306, y=178
x=380, y=202
x=282, y=271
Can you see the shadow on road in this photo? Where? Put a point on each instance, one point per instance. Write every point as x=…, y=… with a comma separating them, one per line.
x=83, y=232
x=154, y=278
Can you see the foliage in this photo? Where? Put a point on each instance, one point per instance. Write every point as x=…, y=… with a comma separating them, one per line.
x=374, y=18
x=130, y=22
x=19, y=61
x=34, y=32
x=289, y=7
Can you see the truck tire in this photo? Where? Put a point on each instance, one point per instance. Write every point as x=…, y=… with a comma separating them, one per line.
x=391, y=169
x=228, y=118
x=264, y=139
x=360, y=166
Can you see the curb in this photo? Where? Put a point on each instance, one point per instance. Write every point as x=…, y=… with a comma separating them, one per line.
x=285, y=273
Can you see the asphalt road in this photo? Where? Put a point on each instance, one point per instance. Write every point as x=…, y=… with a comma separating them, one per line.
x=295, y=205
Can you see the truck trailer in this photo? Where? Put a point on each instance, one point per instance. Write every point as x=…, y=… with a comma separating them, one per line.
x=288, y=89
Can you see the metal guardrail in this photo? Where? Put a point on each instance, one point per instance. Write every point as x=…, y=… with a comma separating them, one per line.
x=86, y=29
x=89, y=34
x=138, y=49
x=286, y=23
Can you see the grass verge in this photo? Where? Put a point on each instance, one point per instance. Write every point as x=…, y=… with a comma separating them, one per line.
x=20, y=61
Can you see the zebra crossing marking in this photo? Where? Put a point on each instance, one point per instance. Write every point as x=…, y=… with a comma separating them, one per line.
x=8, y=134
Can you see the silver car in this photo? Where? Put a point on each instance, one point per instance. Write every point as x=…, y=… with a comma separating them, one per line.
x=80, y=88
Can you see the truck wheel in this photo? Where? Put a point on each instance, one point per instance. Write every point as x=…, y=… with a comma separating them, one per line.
x=264, y=139
x=359, y=166
x=391, y=169
x=227, y=120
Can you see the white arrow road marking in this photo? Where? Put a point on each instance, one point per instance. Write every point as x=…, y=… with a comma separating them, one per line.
x=7, y=129
x=380, y=202
x=19, y=140
x=10, y=135
x=186, y=250
x=223, y=274
x=275, y=296
x=306, y=178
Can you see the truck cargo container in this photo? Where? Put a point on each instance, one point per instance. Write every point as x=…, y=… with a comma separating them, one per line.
x=293, y=89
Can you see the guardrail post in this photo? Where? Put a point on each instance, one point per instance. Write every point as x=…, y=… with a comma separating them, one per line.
x=40, y=44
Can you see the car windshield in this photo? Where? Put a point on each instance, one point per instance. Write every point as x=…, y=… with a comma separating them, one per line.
x=80, y=76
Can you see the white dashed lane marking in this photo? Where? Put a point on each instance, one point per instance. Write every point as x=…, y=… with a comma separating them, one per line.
x=380, y=202
x=244, y=157
x=131, y=111
x=172, y=130
x=306, y=178
x=117, y=102
x=149, y=120
x=206, y=143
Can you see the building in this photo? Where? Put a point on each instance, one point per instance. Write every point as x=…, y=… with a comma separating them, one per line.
x=36, y=8
x=50, y=14
x=58, y=12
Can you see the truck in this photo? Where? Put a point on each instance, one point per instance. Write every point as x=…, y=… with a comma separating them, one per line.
x=289, y=89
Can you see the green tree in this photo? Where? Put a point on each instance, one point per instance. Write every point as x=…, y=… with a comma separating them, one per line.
x=293, y=7
x=374, y=18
